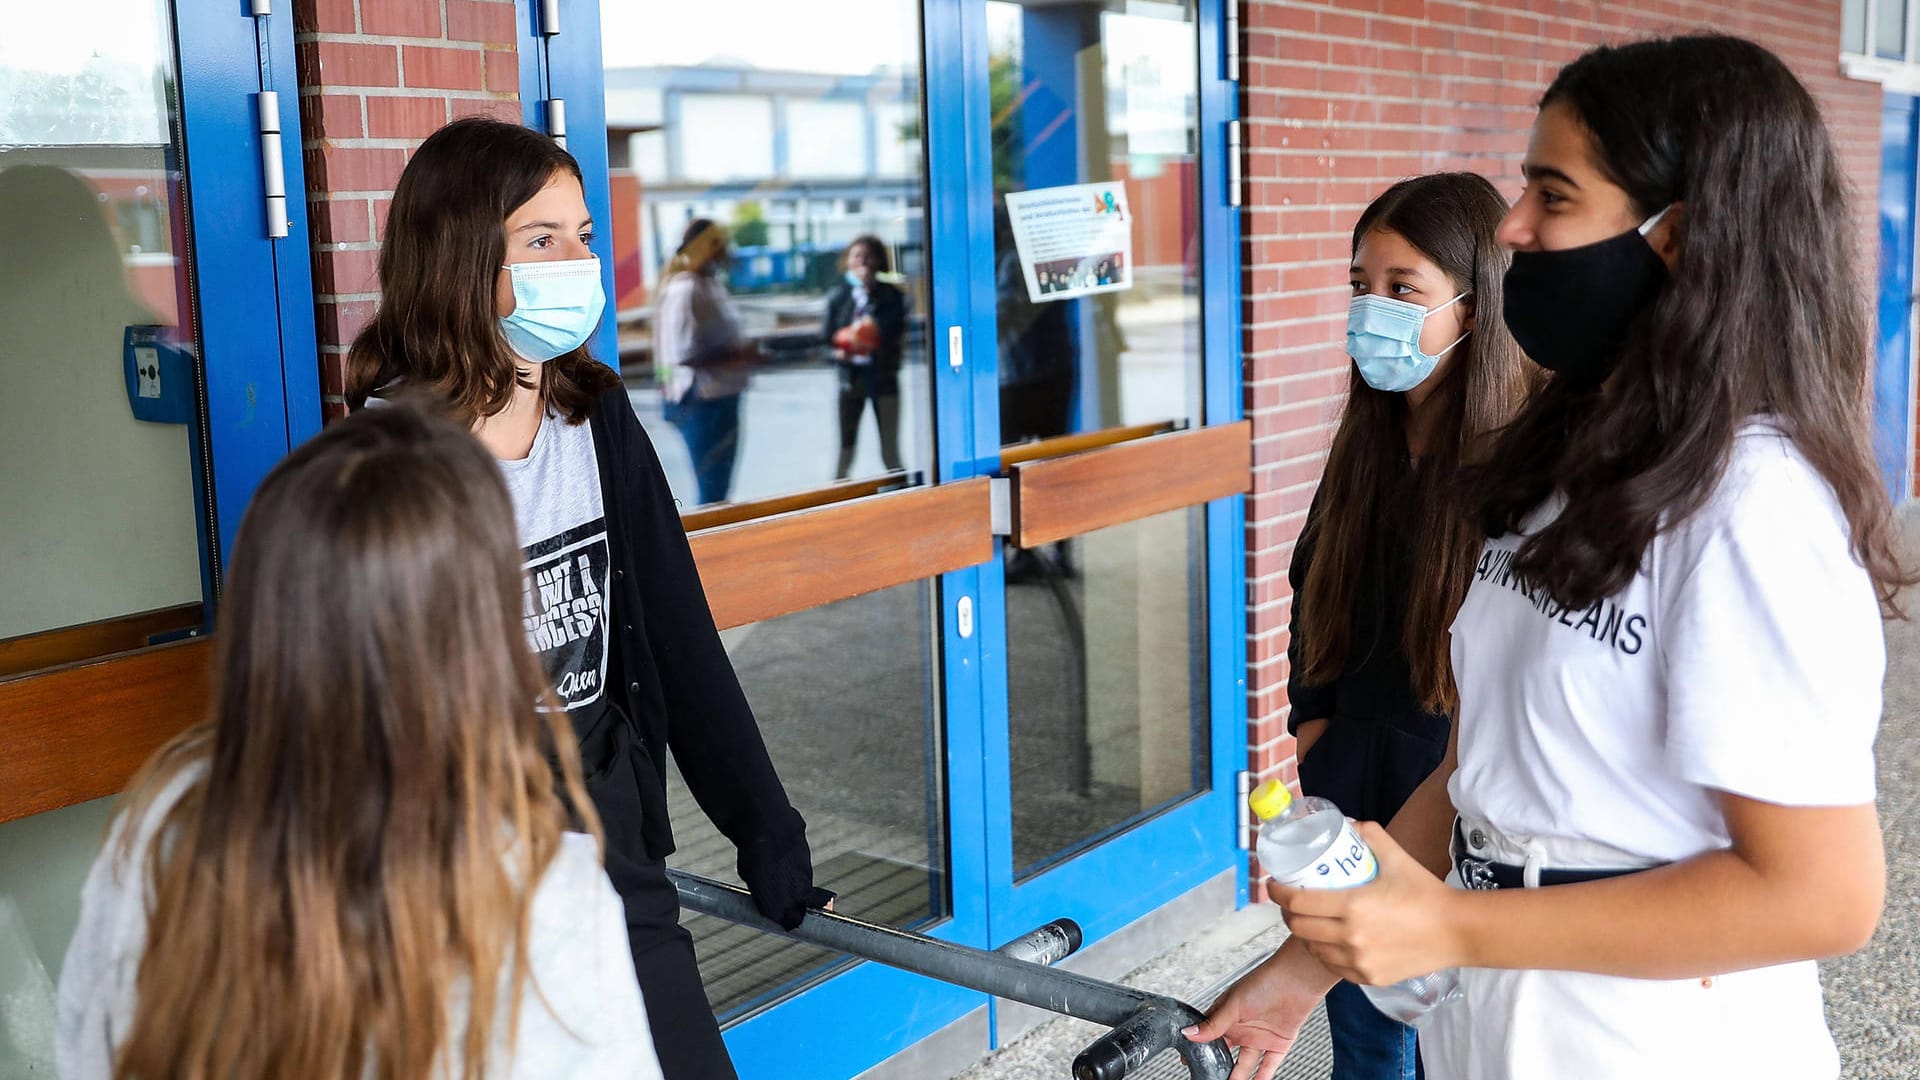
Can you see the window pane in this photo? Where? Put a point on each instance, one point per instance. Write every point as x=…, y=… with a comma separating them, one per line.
x=799, y=131
x=97, y=343
x=1890, y=29
x=855, y=739
x=1853, y=27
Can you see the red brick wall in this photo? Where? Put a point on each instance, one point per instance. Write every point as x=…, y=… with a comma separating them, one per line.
x=377, y=77
x=1343, y=97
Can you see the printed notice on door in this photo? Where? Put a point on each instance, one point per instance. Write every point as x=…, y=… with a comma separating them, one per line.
x=1073, y=241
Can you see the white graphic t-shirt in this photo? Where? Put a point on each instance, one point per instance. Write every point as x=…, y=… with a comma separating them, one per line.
x=1745, y=657
x=563, y=531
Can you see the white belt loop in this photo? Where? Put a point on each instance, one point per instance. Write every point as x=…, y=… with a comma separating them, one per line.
x=1530, y=870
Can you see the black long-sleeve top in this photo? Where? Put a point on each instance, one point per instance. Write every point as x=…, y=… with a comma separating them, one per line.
x=670, y=674
x=1379, y=743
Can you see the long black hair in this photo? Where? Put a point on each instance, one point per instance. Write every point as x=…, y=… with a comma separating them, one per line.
x=1763, y=314
x=1450, y=218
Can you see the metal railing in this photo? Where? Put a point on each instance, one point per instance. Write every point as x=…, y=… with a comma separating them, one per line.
x=1141, y=1025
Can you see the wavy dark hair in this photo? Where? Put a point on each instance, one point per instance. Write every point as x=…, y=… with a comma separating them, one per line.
x=437, y=328
x=1451, y=218
x=878, y=256
x=1764, y=315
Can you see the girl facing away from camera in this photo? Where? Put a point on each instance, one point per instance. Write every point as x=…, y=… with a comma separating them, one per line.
x=1390, y=543
x=1657, y=807
x=359, y=864
x=489, y=294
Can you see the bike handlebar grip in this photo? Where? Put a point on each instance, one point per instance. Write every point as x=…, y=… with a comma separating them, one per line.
x=1046, y=945
x=1117, y=1053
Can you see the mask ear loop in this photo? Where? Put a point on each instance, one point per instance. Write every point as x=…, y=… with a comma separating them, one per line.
x=1463, y=335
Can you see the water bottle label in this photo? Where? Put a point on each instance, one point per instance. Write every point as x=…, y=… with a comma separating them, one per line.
x=1347, y=862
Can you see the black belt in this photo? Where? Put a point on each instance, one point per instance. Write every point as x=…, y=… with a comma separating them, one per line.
x=1477, y=873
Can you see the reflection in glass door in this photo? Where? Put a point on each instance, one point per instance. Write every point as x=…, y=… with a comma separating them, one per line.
x=772, y=280
x=1096, y=104
x=98, y=345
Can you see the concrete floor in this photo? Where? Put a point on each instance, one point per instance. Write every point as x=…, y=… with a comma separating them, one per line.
x=1873, y=996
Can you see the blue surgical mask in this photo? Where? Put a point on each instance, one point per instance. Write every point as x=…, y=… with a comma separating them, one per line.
x=1383, y=337
x=853, y=279
x=556, y=306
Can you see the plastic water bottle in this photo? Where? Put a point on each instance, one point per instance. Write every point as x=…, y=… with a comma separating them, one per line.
x=1308, y=843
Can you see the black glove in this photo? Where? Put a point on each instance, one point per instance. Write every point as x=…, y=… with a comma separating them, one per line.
x=779, y=873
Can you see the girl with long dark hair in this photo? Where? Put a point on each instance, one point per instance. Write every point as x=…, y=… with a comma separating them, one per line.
x=1660, y=787
x=489, y=294
x=1390, y=544
x=358, y=865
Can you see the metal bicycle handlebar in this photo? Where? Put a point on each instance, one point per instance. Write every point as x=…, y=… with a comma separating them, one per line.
x=1142, y=1025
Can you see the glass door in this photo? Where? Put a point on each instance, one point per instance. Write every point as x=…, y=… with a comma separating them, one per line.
x=1104, y=756
x=991, y=714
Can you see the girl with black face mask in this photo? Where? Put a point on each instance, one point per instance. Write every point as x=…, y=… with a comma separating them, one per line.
x=1657, y=805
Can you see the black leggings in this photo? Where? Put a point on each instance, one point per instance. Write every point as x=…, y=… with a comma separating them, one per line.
x=685, y=1034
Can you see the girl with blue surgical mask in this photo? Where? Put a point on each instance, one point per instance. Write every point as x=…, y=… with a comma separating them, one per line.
x=489, y=294
x=1388, y=549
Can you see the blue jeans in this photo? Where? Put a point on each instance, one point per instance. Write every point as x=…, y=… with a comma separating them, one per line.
x=711, y=428
x=1368, y=1045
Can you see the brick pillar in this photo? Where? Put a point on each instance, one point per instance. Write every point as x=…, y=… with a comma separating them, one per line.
x=1340, y=98
x=377, y=77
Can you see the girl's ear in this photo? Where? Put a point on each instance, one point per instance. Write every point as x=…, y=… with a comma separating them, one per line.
x=1466, y=320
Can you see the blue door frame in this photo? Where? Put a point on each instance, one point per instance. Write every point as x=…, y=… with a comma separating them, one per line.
x=857, y=1019
x=253, y=295
x=1894, y=355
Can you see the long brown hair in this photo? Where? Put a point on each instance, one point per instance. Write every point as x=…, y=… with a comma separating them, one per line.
x=1451, y=219
x=1762, y=315
x=373, y=795
x=437, y=328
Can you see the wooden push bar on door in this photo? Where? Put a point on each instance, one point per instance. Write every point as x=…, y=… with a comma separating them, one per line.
x=1055, y=498
x=775, y=566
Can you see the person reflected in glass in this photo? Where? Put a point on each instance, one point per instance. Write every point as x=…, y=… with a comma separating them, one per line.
x=489, y=294
x=866, y=327
x=1389, y=543
x=1036, y=344
x=702, y=357
x=376, y=844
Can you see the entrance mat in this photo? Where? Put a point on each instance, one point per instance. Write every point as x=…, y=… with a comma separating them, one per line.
x=744, y=969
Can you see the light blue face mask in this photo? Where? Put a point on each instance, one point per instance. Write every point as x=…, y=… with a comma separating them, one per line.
x=1383, y=337
x=556, y=306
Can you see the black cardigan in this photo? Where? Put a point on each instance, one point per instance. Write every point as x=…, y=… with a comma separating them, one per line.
x=674, y=681
x=1379, y=743
x=888, y=306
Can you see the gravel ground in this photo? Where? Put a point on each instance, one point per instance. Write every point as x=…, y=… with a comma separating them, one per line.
x=1873, y=996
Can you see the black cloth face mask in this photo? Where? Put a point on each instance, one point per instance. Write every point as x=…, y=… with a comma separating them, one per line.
x=1570, y=310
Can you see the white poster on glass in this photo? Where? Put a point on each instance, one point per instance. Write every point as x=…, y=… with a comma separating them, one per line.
x=1073, y=241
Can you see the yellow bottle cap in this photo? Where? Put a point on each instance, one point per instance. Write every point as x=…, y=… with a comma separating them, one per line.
x=1270, y=800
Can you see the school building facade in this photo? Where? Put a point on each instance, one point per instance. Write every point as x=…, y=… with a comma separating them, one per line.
x=1027, y=673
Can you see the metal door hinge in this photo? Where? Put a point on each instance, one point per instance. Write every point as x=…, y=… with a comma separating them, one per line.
x=1234, y=177
x=1233, y=40
x=956, y=355
x=1243, y=814
x=1000, y=505
x=262, y=8
x=557, y=120
x=549, y=17
x=273, y=173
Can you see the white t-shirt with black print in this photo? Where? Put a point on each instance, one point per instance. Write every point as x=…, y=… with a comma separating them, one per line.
x=1746, y=657
x=562, y=525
